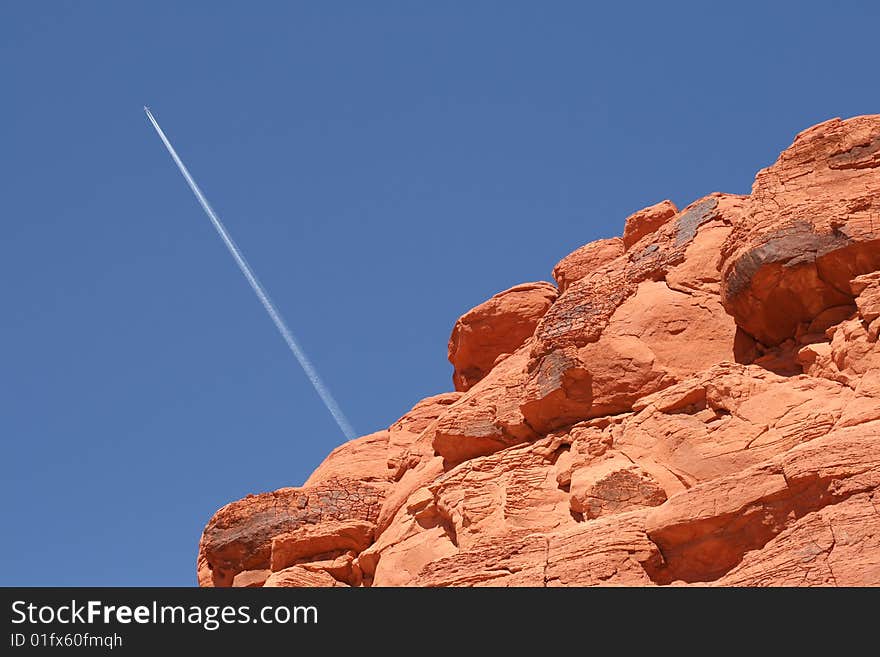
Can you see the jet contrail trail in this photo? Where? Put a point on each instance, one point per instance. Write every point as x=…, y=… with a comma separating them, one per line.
x=261, y=293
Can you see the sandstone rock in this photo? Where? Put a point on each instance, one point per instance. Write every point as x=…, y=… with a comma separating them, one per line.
x=581, y=314
x=705, y=531
x=700, y=405
x=382, y=457
x=409, y=439
x=412, y=541
x=866, y=288
x=708, y=529
x=251, y=578
x=852, y=352
x=518, y=560
x=364, y=458
x=611, y=551
x=620, y=333
x=559, y=388
x=700, y=264
x=320, y=540
x=836, y=546
x=488, y=417
x=613, y=486
x=239, y=536
x=647, y=221
x=204, y=575
x=496, y=327
x=586, y=260
x=728, y=418
x=624, y=332
x=298, y=576
x=423, y=414
x=809, y=228
x=344, y=568
x=414, y=479
x=507, y=491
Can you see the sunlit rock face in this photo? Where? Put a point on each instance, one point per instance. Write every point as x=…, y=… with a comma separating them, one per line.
x=695, y=402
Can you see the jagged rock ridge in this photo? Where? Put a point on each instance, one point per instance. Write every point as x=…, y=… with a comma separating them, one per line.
x=695, y=402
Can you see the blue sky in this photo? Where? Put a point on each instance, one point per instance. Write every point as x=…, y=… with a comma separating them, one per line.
x=384, y=167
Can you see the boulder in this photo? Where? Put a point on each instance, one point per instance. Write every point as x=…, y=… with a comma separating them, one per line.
x=495, y=329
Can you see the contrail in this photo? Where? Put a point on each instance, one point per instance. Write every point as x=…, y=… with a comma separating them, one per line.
x=261, y=293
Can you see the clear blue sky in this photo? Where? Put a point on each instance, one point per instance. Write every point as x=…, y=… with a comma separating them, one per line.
x=384, y=166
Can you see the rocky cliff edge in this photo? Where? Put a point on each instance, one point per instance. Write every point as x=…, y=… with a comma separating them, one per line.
x=696, y=402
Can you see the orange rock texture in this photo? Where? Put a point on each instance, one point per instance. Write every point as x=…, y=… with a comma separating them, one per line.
x=695, y=403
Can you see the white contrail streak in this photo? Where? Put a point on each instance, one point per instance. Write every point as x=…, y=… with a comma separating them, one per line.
x=261, y=293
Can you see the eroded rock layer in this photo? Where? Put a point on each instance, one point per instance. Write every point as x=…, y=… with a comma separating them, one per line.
x=697, y=402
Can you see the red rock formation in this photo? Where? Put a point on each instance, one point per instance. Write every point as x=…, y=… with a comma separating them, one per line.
x=647, y=221
x=698, y=404
x=810, y=227
x=495, y=329
x=586, y=260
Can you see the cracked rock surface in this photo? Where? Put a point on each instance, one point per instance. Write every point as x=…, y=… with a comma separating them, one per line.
x=696, y=402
